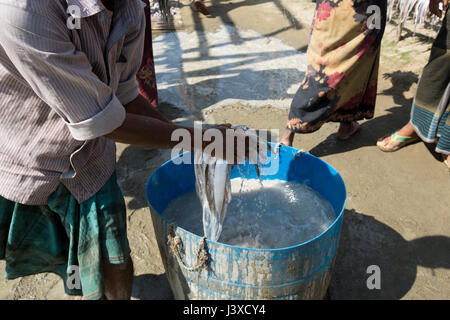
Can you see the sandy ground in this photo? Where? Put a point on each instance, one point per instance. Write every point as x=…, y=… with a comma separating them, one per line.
x=398, y=204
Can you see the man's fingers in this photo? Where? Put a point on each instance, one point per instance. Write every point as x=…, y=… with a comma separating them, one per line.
x=240, y=145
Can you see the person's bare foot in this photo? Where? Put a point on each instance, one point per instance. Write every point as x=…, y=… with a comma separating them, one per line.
x=347, y=129
x=447, y=161
x=288, y=138
x=406, y=131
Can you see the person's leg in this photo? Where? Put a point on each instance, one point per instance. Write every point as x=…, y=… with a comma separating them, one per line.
x=347, y=129
x=407, y=130
x=118, y=280
x=103, y=251
x=288, y=138
x=428, y=113
x=117, y=265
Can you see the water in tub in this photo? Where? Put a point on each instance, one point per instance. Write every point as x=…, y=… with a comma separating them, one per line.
x=279, y=215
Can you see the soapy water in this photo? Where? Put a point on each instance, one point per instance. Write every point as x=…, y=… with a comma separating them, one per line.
x=267, y=214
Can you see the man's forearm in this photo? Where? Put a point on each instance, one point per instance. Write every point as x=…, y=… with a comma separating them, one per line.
x=141, y=106
x=146, y=131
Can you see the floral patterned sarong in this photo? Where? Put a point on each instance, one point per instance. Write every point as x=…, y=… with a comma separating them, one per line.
x=343, y=54
x=146, y=76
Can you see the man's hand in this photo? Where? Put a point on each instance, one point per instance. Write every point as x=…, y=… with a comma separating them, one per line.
x=236, y=145
x=434, y=7
x=152, y=131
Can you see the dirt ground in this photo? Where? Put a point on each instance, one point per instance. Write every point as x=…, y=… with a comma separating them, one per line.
x=397, y=212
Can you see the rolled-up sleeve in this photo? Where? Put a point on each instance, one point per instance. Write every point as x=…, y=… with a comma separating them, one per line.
x=132, y=50
x=41, y=50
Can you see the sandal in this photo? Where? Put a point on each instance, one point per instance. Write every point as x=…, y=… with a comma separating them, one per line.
x=404, y=141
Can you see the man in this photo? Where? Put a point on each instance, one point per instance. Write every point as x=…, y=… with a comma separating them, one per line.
x=68, y=90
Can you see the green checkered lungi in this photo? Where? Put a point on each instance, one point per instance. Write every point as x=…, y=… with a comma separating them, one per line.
x=65, y=237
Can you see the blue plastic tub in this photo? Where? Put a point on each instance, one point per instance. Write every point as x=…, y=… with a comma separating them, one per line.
x=298, y=272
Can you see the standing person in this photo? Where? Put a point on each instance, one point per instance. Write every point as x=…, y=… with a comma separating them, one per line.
x=68, y=91
x=430, y=120
x=343, y=54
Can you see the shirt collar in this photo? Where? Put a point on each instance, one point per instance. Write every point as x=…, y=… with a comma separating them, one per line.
x=87, y=7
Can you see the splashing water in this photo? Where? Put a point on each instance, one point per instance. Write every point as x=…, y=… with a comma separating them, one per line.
x=212, y=183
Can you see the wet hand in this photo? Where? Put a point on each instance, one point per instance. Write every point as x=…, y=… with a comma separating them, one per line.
x=239, y=145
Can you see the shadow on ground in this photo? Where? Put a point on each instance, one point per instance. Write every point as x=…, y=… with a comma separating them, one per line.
x=365, y=241
x=221, y=9
x=151, y=287
x=233, y=79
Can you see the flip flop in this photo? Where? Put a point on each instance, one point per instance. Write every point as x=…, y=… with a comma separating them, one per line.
x=404, y=141
x=356, y=128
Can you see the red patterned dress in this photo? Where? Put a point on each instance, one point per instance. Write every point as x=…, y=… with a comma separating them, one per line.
x=146, y=76
x=343, y=55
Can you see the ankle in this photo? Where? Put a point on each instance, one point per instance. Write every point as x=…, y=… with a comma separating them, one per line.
x=287, y=138
x=407, y=130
